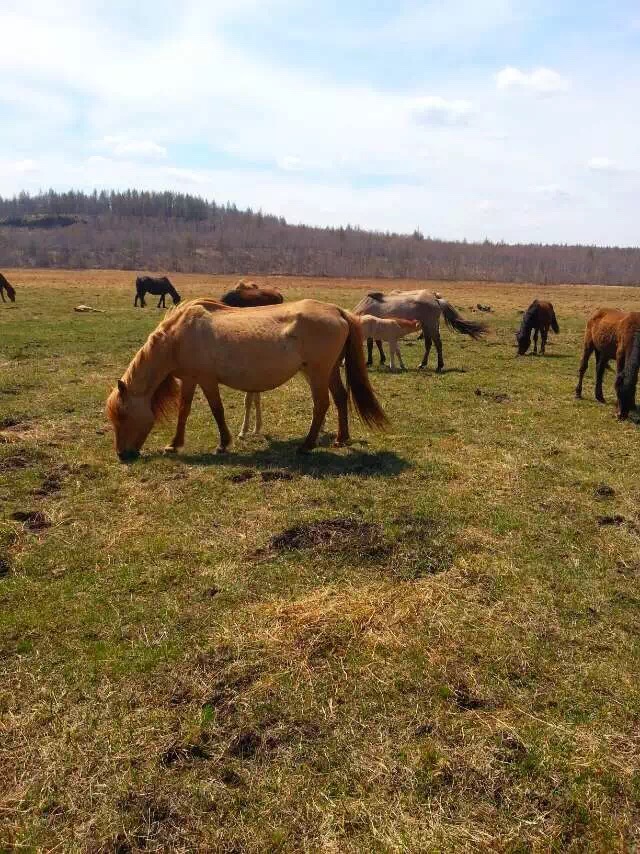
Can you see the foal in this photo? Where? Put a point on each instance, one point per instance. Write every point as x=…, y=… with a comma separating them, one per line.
x=613, y=334
x=537, y=319
x=389, y=329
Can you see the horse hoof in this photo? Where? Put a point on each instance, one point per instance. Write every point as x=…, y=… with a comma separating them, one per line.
x=169, y=450
x=601, y=400
x=303, y=450
x=221, y=450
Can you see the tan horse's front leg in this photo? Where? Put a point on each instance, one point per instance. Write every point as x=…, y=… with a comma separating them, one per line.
x=187, y=389
x=212, y=393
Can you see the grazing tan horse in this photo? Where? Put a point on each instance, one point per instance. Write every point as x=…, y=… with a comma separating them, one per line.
x=389, y=329
x=204, y=343
x=426, y=309
x=5, y=286
x=537, y=319
x=249, y=295
x=613, y=334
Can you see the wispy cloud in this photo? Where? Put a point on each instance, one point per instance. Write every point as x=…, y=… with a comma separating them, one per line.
x=540, y=81
x=603, y=164
x=437, y=111
x=121, y=146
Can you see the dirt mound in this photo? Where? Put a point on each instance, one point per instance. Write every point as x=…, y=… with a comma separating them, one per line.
x=33, y=520
x=414, y=545
x=338, y=534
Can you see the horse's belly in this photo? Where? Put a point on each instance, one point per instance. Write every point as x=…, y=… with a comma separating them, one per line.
x=253, y=365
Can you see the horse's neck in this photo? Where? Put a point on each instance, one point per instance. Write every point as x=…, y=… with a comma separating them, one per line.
x=150, y=366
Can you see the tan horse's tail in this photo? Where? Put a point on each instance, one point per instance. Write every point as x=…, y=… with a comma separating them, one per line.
x=360, y=390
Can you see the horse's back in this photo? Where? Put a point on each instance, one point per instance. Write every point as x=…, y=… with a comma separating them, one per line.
x=259, y=348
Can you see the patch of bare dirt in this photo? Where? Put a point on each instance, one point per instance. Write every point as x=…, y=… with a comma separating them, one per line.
x=498, y=397
x=33, y=520
x=415, y=545
x=241, y=476
x=342, y=533
x=275, y=474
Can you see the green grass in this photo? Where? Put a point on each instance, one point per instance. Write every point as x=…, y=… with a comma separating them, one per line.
x=457, y=670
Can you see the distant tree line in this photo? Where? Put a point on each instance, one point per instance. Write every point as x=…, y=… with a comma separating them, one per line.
x=166, y=231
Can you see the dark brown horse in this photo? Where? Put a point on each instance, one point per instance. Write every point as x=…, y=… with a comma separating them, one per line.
x=537, y=319
x=157, y=286
x=5, y=286
x=613, y=334
x=250, y=295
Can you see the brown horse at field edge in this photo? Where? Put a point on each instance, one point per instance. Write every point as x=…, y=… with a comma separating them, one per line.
x=249, y=295
x=5, y=286
x=537, y=319
x=613, y=334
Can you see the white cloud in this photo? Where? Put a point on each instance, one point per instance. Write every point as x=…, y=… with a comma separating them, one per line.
x=289, y=163
x=602, y=164
x=437, y=111
x=18, y=167
x=121, y=146
x=552, y=193
x=540, y=81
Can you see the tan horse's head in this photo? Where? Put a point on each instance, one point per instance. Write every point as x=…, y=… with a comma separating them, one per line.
x=132, y=417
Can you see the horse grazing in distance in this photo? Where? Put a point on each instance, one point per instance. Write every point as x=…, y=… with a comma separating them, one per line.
x=389, y=329
x=205, y=343
x=613, y=334
x=537, y=319
x=5, y=286
x=249, y=295
x=156, y=286
x=426, y=309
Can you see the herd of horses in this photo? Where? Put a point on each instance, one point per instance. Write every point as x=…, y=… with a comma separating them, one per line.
x=208, y=342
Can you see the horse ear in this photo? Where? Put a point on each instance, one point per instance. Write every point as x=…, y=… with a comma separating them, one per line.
x=122, y=388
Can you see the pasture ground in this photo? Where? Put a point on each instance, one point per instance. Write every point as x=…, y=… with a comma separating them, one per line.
x=428, y=641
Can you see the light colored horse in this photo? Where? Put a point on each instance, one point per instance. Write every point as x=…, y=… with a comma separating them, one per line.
x=426, y=309
x=391, y=330
x=204, y=343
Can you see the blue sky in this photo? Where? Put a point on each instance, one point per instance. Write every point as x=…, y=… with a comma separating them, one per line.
x=515, y=120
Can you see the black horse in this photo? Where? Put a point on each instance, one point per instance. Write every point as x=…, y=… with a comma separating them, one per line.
x=5, y=286
x=157, y=286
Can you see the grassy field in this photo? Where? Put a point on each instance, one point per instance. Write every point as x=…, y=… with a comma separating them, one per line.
x=428, y=641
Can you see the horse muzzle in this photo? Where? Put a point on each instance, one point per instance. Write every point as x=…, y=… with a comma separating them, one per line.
x=128, y=456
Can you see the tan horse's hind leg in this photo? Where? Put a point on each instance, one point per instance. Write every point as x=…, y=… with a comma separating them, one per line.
x=212, y=393
x=187, y=389
x=319, y=385
x=341, y=400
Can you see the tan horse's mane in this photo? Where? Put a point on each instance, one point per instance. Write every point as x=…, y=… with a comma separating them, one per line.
x=164, y=401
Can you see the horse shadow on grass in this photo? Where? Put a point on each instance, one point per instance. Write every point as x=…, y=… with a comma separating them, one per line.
x=323, y=462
